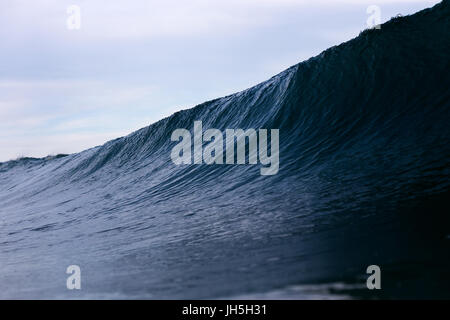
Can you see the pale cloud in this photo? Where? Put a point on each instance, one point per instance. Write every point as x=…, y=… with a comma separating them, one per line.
x=135, y=62
x=30, y=105
x=51, y=145
x=149, y=18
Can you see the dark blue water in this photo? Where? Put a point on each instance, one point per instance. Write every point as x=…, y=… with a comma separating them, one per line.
x=363, y=179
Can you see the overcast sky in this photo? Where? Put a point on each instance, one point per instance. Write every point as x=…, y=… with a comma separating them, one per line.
x=133, y=62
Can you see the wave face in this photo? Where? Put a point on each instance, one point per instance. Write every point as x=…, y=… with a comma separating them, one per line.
x=363, y=179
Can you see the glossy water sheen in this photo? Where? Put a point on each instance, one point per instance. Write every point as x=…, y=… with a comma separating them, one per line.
x=363, y=179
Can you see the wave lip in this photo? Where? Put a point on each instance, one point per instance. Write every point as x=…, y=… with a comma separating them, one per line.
x=363, y=178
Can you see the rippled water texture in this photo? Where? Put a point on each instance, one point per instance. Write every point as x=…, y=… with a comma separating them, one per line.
x=363, y=179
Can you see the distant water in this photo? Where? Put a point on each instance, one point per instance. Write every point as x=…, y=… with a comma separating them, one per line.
x=363, y=179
